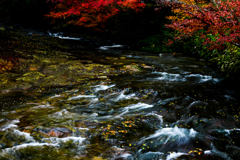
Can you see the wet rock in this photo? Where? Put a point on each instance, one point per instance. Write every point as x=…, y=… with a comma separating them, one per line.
x=154, y=121
x=166, y=101
x=201, y=124
x=102, y=77
x=15, y=137
x=147, y=67
x=2, y=29
x=200, y=157
x=30, y=76
x=25, y=86
x=2, y=145
x=102, y=113
x=228, y=99
x=86, y=124
x=56, y=132
x=134, y=68
x=221, y=140
x=98, y=106
x=191, y=121
x=186, y=101
x=117, y=154
x=9, y=28
x=197, y=107
x=151, y=156
x=233, y=151
x=166, y=139
x=235, y=137
x=28, y=127
x=204, y=120
x=170, y=117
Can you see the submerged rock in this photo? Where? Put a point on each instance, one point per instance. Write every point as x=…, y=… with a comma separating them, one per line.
x=197, y=107
x=151, y=156
x=87, y=124
x=56, y=132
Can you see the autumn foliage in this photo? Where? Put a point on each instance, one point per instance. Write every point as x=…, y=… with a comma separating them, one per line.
x=220, y=20
x=211, y=28
x=91, y=13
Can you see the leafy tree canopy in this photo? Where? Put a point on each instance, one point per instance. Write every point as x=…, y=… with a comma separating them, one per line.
x=217, y=23
x=91, y=13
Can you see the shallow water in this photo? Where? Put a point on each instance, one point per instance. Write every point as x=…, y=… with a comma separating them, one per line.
x=160, y=107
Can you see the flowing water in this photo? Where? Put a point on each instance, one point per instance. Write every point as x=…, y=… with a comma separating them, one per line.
x=163, y=107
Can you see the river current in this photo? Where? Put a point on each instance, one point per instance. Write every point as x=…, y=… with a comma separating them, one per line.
x=164, y=107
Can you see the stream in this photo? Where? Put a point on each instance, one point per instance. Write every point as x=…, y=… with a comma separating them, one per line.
x=161, y=107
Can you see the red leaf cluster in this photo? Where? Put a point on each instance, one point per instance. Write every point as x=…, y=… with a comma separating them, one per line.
x=91, y=13
x=220, y=20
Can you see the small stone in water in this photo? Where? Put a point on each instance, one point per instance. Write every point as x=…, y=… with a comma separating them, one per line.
x=56, y=132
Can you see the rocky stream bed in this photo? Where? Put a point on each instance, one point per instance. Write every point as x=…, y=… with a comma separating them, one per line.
x=78, y=98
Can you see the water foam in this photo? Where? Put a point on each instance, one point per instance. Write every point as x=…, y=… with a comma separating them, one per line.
x=160, y=117
x=42, y=106
x=82, y=96
x=94, y=100
x=78, y=141
x=15, y=148
x=108, y=47
x=170, y=77
x=60, y=113
x=25, y=135
x=102, y=87
x=59, y=35
x=229, y=130
x=9, y=125
x=63, y=114
x=175, y=155
x=56, y=95
x=122, y=96
x=138, y=106
x=124, y=156
x=182, y=77
x=202, y=78
x=181, y=134
x=208, y=152
x=53, y=141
